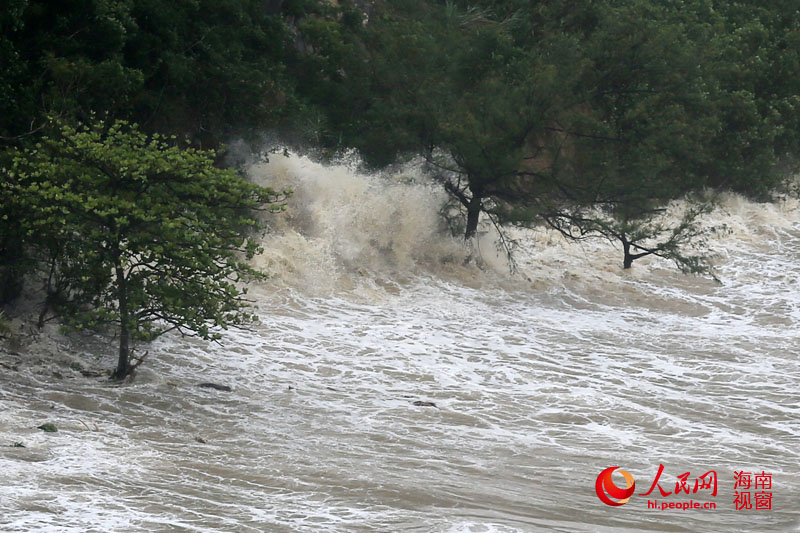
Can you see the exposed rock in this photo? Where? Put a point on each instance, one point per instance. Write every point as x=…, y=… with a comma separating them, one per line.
x=48, y=428
x=215, y=386
x=420, y=403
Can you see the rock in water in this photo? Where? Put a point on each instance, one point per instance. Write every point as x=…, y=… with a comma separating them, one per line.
x=420, y=403
x=214, y=386
x=48, y=428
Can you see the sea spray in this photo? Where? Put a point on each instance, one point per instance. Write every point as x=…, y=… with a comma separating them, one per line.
x=342, y=224
x=345, y=227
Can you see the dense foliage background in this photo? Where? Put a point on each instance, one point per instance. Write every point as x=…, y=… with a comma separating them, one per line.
x=586, y=116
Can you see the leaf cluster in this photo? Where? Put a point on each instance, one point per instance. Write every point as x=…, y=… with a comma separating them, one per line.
x=140, y=233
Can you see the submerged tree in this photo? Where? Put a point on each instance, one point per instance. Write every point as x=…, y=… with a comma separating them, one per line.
x=144, y=237
x=649, y=233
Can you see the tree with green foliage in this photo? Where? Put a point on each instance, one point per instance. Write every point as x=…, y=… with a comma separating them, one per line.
x=640, y=134
x=60, y=59
x=589, y=118
x=759, y=96
x=203, y=70
x=143, y=236
x=211, y=70
x=456, y=84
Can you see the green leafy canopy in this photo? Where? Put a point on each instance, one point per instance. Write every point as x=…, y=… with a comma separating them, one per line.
x=144, y=236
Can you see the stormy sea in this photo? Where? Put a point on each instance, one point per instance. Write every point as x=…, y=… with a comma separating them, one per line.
x=397, y=380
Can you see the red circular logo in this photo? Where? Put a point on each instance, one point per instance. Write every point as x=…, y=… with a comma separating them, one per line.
x=605, y=487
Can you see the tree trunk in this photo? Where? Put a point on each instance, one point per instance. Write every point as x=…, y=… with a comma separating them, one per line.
x=49, y=293
x=627, y=260
x=123, y=363
x=473, y=216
